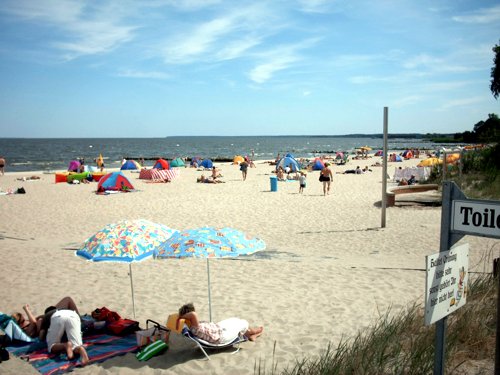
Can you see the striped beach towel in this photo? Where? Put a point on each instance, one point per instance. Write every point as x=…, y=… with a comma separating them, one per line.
x=99, y=348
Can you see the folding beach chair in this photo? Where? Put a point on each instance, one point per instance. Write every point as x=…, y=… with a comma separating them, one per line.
x=179, y=325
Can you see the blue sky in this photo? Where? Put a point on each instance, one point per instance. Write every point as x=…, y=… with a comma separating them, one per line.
x=158, y=68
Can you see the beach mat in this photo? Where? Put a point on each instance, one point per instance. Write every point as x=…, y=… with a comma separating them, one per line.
x=99, y=348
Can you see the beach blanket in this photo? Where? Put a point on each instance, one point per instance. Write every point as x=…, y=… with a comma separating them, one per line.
x=159, y=174
x=99, y=347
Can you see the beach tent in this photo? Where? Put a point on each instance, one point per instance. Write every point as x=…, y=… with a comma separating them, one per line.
x=114, y=181
x=407, y=154
x=130, y=164
x=318, y=164
x=207, y=163
x=74, y=166
x=161, y=164
x=288, y=162
x=238, y=159
x=195, y=161
x=177, y=162
x=339, y=155
x=379, y=153
x=398, y=158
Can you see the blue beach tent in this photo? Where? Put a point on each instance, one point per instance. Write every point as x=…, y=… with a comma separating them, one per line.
x=318, y=165
x=288, y=162
x=207, y=163
x=130, y=165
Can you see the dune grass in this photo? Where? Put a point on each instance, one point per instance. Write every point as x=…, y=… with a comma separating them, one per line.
x=401, y=344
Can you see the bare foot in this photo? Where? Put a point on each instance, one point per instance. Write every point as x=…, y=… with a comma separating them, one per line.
x=254, y=333
x=69, y=350
x=84, y=357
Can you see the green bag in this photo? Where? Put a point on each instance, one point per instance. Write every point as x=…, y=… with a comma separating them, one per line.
x=151, y=350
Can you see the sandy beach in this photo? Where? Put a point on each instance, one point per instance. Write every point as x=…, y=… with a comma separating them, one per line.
x=329, y=269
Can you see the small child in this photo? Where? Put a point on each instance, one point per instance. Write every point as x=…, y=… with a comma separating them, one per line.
x=302, y=182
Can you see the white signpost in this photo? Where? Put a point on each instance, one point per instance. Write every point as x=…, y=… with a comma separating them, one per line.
x=459, y=216
x=481, y=218
x=446, y=282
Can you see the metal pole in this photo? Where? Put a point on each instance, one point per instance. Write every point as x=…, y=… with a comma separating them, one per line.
x=384, y=168
x=209, y=296
x=131, y=286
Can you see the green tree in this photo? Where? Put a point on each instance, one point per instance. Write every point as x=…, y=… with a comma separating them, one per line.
x=495, y=72
x=489, y=130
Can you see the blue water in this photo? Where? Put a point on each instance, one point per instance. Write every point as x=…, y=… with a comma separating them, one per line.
x=55, y=154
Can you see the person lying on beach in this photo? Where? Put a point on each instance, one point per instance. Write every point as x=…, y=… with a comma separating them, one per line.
x=31, y=324
x=208, y=180
x=29, y=178
x=55, y=324
x=221, y=332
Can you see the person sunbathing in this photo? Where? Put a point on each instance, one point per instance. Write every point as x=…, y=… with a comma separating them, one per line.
x=217, y=333
x=207, y=180
x=31, y=325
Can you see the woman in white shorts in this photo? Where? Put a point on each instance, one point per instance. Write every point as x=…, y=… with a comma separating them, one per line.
x=58, y=322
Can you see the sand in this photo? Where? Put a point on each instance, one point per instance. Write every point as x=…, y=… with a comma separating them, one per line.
x=329, y=269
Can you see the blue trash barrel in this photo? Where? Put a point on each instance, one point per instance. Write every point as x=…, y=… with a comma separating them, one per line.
x=274, y=183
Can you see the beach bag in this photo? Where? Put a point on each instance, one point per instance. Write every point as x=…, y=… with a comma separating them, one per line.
x=151, y=350
x=152, y=334
x=105, y=314
x=21, y=190
x=122, y=326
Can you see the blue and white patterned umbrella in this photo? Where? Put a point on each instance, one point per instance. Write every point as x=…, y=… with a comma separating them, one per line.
x=209, y=242
x=125, y=241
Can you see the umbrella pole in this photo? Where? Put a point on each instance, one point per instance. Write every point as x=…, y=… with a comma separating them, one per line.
x=209, y=296
x=132, y=287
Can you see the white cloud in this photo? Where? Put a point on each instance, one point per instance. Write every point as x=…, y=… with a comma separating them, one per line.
x=198, y=41
x=263, y=72
x=462, y=102
x=139, y=74
x=480, y=16
x=422, y=60
x=314, y=6
x=406, y=101
x=86, y=29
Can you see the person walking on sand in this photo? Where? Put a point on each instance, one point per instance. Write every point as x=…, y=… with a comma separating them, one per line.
x=2, y=165
x=302, y=182
x=244, y=169
x=326, y=177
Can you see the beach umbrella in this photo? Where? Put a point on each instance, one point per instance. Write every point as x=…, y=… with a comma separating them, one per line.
x=209, y=242
x=429, y=162
x=452, y=158
x=126, y=241
x=365, y=148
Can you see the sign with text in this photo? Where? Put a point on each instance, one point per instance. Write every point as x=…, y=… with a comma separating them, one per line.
x=476, y=217
x=446, y=282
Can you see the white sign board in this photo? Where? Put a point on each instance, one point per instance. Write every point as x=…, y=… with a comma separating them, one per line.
x=476, y=217
x=446, y=282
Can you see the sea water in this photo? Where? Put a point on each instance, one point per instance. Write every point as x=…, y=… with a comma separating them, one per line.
x=49, y=154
